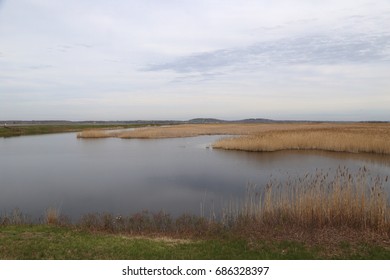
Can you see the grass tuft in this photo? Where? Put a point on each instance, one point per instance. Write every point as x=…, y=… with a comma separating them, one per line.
x=52, y=216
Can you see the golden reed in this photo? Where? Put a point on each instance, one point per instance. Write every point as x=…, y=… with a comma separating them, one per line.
x=345, y=199
x=339, y=137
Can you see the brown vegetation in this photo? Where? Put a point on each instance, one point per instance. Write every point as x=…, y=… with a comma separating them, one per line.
x=340, y=137
x=52, y=216
x=353, y=200
x=190, y=130
x=354, y=138
x=94, y=134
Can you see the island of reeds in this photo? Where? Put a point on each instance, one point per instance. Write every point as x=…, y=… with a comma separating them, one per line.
x=338, y=137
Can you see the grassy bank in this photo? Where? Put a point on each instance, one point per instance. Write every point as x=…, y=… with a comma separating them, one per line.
x=35, y=129
x=53, y=242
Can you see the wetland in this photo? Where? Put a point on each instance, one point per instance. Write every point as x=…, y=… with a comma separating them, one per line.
x=176, y=175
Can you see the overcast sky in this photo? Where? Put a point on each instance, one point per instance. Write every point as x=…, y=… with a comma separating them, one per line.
x=181, y=59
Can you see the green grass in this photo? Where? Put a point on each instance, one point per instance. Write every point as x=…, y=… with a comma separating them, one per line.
x=53, y=242
x=36, y=129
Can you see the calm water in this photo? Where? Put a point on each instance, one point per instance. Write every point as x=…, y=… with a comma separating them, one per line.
x=124, y=176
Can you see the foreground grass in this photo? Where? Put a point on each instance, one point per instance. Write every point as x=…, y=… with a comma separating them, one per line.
x=52, y=242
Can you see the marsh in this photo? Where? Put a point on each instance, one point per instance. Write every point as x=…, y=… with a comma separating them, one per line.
x=123, y=176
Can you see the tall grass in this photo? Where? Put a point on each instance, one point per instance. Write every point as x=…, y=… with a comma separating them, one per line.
x=15, y=217
x=345, y=137
x=339, y=139
x=190, y=130
x=175, y=131
x=52, y=216
x=353, y=200
x=94, y=134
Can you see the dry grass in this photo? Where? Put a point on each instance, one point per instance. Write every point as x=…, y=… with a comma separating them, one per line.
x=93, y=133
x=340, y=137
x=191, y=130
x=16, y=217
x=354, y=138
x=52, y=216
x=175, y=131
x=187, y=130
x=317, y=201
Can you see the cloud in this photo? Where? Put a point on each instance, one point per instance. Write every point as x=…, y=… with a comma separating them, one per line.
x=181, y=57
x=40, y=66
x=310, y=49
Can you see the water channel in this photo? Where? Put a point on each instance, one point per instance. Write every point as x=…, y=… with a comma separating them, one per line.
x=123, y=176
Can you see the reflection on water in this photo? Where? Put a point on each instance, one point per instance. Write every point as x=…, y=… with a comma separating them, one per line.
x=124, y=176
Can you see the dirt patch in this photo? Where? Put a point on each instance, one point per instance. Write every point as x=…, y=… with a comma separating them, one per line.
x=165, y=239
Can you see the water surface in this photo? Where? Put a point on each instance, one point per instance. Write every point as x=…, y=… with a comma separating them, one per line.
x=124, y=176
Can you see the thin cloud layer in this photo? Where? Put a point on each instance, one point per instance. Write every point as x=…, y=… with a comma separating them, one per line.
x=313, y=49
x=171, y=59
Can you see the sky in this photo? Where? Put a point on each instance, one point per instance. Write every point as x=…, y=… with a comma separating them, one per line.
x=182, y=59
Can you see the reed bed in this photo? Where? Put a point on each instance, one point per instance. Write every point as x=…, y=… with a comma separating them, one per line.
x=95, y=134
x=353, y=139
x=191, y=130
x=187, y=130
x=347, y=199
x=339, y=137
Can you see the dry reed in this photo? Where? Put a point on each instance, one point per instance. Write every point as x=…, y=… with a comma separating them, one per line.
x=190, y=130
x=52, y=216
x=354, y=139
x=340, y=137
x=16, y=217
x=177, y=131
x=94, y=134
x=317, y=201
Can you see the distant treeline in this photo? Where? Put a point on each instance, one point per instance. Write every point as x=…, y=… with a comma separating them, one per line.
x=164, y=122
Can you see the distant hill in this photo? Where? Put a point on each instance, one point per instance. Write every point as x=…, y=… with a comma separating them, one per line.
x=159, y=122
x=206, y=120
x=257, y=120
x=212, y=120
